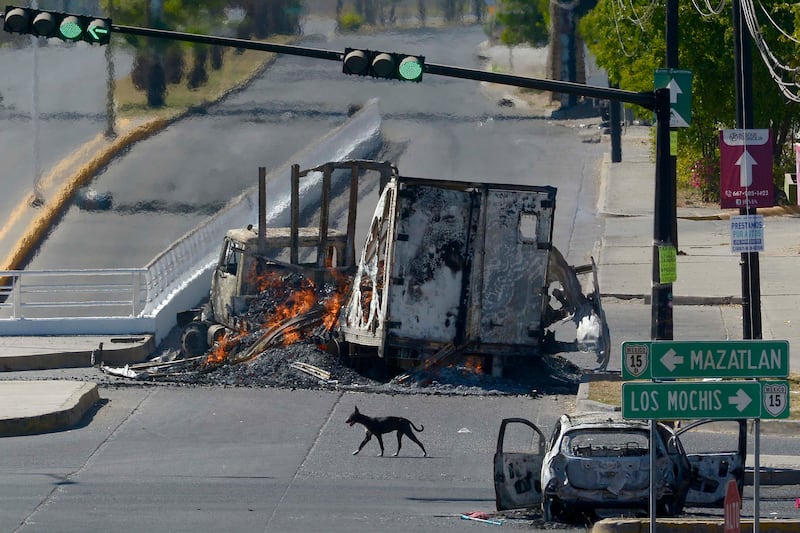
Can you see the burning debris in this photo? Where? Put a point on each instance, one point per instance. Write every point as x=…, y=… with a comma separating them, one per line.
x=289, y=351
x=288, y=307
x=303, y=365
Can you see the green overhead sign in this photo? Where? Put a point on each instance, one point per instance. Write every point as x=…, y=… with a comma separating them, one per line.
x=705, y=359
x=717, y=400
x=679, y=83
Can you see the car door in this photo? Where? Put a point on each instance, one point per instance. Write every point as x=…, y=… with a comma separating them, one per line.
x=518, y=464
x=717, y=451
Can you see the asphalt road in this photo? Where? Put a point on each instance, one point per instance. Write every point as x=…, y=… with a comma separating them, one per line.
x=52, y=100
x=203, y=459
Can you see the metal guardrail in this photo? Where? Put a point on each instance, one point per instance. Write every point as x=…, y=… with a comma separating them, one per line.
x=28, y=294
x=138, y=300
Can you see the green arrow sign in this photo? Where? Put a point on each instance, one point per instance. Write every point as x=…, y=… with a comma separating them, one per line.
x=717, y=400
x=705, y=359
x=97, y=33
x=679, y=83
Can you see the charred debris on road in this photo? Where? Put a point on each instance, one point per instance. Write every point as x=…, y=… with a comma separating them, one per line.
x=457, y=289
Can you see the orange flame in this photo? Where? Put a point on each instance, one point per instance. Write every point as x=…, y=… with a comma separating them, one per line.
x=473, y=364
x=286, y=302
x=220, y=350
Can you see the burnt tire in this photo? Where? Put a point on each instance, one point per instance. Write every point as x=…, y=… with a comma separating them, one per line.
x=667, y=506
x=194, y=340
x=551, y=510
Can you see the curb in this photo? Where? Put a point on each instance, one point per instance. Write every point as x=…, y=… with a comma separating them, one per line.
x=136, y=349
x=66, y=414
x=669, y=525
x=678, y=300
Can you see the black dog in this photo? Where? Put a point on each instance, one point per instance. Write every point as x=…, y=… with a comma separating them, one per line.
x=386, y=424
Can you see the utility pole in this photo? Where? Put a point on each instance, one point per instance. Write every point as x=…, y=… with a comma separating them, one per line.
x=751, y=282
x=111, y=115
x=672, y=63
x=742, y=52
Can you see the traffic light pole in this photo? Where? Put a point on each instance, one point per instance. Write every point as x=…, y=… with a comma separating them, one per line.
x=664, y=251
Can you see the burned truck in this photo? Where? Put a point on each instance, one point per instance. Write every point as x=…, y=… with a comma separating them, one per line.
x=447, y=269
x=454, y=267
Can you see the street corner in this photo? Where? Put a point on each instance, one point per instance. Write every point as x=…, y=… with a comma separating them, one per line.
x=34, y=407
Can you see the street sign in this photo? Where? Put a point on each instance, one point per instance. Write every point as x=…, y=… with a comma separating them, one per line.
x=746, y=169
x=665, y=359
x=679, y=83
x=717, y=400
x=747, y=233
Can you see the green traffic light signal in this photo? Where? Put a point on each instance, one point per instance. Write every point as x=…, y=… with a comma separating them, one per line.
x=70, y=28
x=63, y=26
x=98, y=31
x=411, y=68
x=388, y=65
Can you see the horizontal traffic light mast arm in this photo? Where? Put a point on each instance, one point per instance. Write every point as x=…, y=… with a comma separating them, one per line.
x=644, y=99
x=331, y=55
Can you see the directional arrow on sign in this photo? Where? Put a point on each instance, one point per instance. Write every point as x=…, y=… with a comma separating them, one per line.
x=741, y=400
x=679, y=83
x=746, y=163
x=98, y=32
x=671, y=359
x=674, y=91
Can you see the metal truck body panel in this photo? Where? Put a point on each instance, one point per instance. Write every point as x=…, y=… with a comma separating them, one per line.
x=450, y=262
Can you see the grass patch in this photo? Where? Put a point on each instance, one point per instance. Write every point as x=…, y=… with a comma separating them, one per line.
x=237, y=68
x=609, y=391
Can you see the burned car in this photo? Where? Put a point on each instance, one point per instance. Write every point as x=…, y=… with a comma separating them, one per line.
x=596, y=464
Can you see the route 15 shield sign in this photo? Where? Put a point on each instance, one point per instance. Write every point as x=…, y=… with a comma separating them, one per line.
x=776, y=399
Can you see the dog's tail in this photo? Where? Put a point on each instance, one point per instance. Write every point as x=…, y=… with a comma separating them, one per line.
x=420, y=428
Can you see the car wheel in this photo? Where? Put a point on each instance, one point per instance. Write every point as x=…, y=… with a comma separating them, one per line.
x=193, y=340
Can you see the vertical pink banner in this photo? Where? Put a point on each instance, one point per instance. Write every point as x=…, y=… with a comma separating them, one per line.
x=797, y=161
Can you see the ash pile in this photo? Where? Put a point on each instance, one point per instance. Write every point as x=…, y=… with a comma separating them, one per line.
x=288, y=350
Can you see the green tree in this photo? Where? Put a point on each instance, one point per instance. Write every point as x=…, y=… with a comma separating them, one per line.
x=630, y=44
x=524, y=21
x=160, y=62
x=264, y=18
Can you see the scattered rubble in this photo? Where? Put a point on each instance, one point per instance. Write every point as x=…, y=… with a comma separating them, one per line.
x=304, y=365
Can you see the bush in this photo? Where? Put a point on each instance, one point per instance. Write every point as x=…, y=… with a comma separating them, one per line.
x=350, y=21
x=704, y=176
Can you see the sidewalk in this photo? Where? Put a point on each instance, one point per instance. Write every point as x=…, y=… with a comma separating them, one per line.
x=32, y=407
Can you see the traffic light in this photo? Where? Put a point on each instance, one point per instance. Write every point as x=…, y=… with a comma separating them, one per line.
x=383, y=64
x=62, y=26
